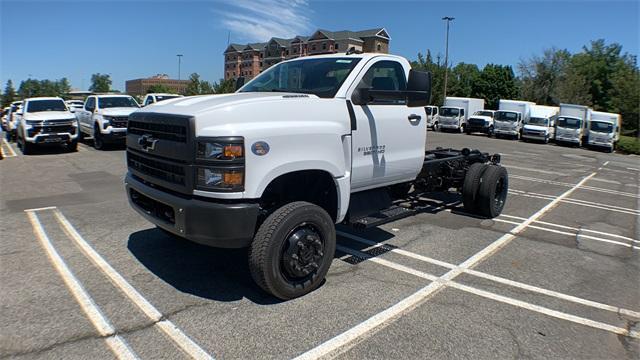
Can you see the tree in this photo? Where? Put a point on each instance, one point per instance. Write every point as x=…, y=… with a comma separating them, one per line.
x=100, y=83
x=193, y=88
x=158, y=88
x=461, y=79
x=540, y=76
x=9, y=94
x=495, y=82
x=426, y=63
x=224, y=86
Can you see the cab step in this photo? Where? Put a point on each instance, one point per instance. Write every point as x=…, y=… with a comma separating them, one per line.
x=382, y=217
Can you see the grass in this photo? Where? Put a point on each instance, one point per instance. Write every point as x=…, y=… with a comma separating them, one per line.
x=629, y=145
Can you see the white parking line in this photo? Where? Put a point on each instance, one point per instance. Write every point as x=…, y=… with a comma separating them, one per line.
x=577, y=202
x=117, y=344
x=575, y=228
x=551, y=293
x=348, y=338
x=592, y=188
x=167, y=327
x=537, y=170
x=493, y=296
x=572, y=234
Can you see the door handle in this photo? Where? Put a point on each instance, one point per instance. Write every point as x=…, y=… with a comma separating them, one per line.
x=414, y=117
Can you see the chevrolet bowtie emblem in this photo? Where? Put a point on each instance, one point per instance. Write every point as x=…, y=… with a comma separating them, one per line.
x=147, y=142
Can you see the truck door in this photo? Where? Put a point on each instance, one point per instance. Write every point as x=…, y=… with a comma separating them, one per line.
x=87, y=114
x=389, y=140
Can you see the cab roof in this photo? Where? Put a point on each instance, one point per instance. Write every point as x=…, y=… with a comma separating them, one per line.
x=44, y=98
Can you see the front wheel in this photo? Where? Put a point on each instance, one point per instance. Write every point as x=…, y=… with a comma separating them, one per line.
x=435, y=127
x=98, y=142
x=292, y=250
x=27, y=147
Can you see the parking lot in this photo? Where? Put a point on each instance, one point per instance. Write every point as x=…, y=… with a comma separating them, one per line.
x=555, y=276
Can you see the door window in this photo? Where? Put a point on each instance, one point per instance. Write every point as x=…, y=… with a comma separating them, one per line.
x=91, y=104
x=385, y=75
x=149, y=100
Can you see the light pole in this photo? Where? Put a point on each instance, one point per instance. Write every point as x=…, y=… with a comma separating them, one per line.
x=446, y=54
x=179, y=60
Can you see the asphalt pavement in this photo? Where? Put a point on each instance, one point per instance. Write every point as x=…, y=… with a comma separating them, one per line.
x=556, y=276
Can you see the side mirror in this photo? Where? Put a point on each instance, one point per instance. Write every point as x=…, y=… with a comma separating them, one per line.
x=360, y=96
x=418, y=88
x=239, y=82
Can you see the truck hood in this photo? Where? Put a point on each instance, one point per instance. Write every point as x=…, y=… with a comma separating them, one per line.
x=48, y=115
x=117, y=111
x=481, y=117
x=195, y=105
x=535, y=127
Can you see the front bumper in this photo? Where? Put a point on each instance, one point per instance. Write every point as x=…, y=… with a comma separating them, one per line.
x=112, y=134
x=605, y=144
x=512, y=132
x=449, y=126
x=478, y=128
x=530, y=136
x=214, y=223
x=52, y=138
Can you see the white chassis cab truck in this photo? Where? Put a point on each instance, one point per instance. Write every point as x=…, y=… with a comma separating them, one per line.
x=604, y=130
x=104, y=118
x=456, y=110
x=510, y=117
x=46, y=121
x=433, y=117
x=541, y=125
x=571, y=127
x=309, y=143
x=481, y=121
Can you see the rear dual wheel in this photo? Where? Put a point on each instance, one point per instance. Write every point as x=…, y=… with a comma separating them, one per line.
x=484, y=191
x=292, y=250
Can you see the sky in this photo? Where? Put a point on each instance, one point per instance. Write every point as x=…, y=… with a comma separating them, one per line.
x=135, y=39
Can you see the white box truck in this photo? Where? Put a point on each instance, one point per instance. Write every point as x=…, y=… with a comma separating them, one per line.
x=604, y=130
x=510, y=116
x=542, y=123
x=571, y=127
x=456, y=110
x=433, y=117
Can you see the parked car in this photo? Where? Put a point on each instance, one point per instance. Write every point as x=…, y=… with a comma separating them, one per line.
x=542, y=123
x=155, y=97
x=571, y=127
x=46, y=121
x=15, y=111
x=274, y=166
x=481, y=121
x=5, y=114
x=510, y=117
x=604, y=130
x=74, y=105
x=456, y=110
x=433, y=116
x=105, y=117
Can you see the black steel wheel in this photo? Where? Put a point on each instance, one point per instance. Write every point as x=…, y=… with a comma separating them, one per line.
x=492, y=194
x=292, y=250
x=471, y=186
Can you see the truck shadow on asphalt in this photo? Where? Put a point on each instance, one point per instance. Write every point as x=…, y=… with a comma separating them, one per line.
x=211, y=273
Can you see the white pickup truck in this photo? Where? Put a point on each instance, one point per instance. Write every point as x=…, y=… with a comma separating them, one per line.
x=155, y=97
x=46, y=121
x=307, y=144
x=104, y=118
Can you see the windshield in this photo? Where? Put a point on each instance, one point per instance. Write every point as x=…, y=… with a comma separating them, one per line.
x=321, y=77
x=119, y=101
x=446, y=111
x=506, y=116
x=484, y=113
x=569, y=123
x=538, y=121
x=165, y=97
x=601, y=127
x=46, y=105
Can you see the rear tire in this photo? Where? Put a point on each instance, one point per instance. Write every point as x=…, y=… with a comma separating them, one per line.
x=292, y=250
x=471, y=186
x=492, y=194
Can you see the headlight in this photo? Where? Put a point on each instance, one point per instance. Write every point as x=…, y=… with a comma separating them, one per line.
x=220, y=150
x=220, y=179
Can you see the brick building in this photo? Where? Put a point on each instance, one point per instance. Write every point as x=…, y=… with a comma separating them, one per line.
x=250, y=59
x=140, y=87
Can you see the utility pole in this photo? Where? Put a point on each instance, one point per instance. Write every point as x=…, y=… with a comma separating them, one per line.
x=179, y=60
x=446, y=54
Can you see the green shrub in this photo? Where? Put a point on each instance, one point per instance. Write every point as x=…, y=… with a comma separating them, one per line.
x=629, y=145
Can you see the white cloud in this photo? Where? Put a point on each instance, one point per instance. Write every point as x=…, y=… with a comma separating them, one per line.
x=259, y=20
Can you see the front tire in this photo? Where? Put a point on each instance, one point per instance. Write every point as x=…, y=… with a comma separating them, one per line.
x=471, y=186
x=435, y=127
x=98, y=142
x=27, y=147
x=292, y=250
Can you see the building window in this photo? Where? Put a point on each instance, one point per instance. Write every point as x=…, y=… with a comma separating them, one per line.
x=324, y=46
x=379, y=47
x=286, y=52
x=337, y=46
x=313, y=47
x=260, y=63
